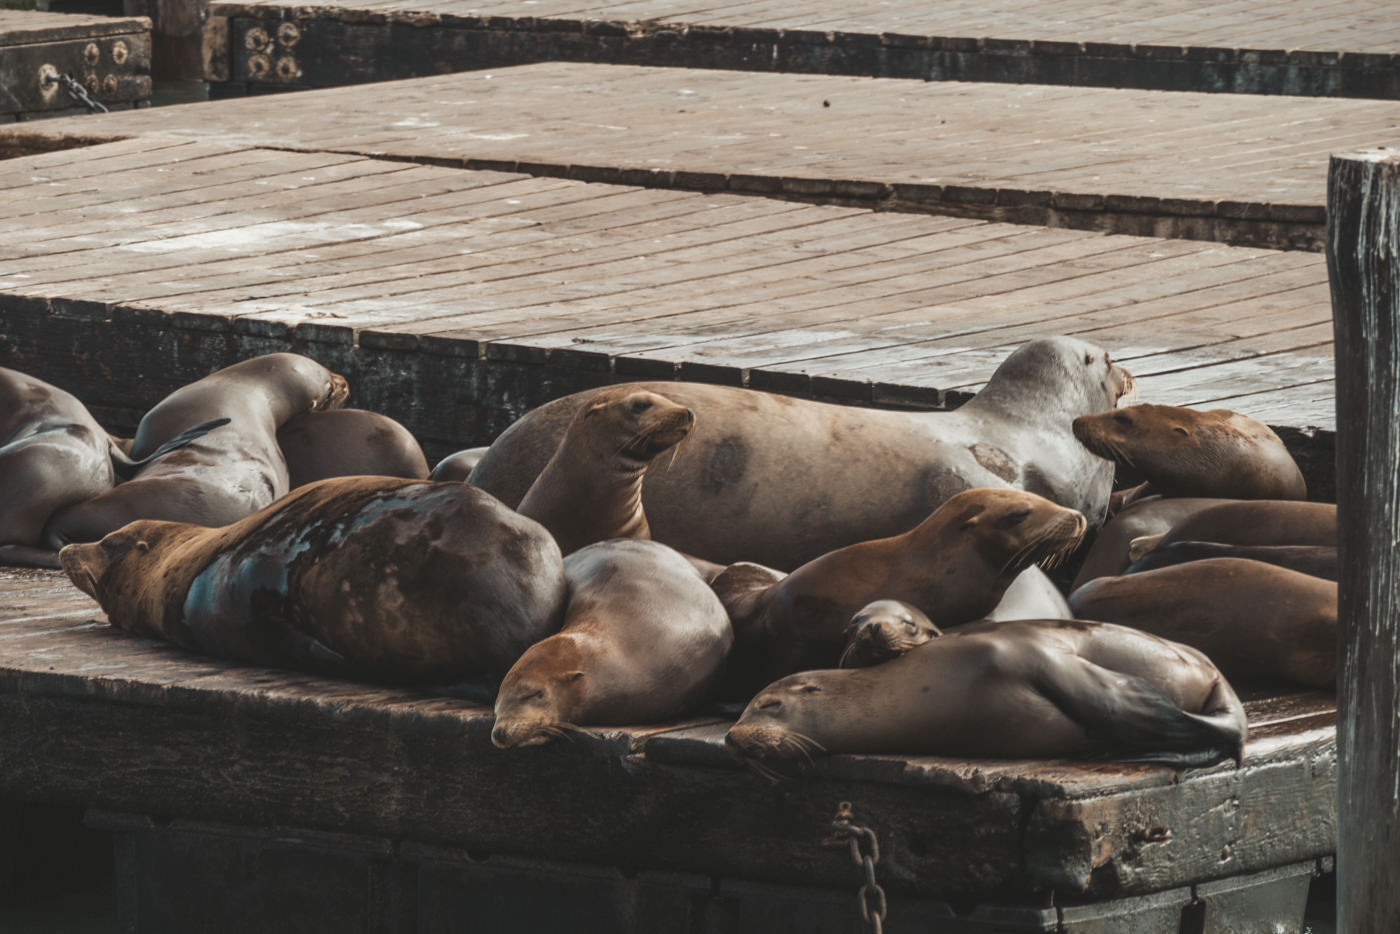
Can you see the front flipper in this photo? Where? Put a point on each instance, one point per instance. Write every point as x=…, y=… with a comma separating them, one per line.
x=126, y=467
x=27, y=556
x=1136, y=722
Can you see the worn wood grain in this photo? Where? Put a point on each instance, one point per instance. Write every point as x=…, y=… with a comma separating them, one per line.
x=1363, y=260
x=1089, y=158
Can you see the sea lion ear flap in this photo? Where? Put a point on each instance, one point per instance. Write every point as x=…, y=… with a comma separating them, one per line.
x=143, y=547
x=594, y=409
x=573, y=675
x=1181, y=431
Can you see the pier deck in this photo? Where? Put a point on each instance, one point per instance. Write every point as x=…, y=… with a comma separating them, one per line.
x=1339, y=49
x=400, y=796
x=1239, y=169
x=453, y=299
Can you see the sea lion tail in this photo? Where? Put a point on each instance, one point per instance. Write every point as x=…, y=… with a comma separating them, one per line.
x=126, y=466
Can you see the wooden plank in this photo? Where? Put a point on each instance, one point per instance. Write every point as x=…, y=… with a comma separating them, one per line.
x=1255, y=178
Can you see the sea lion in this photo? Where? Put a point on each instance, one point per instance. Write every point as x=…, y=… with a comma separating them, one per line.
x=1258, y=522
x=1185, y=452
x=374, y=577
x=54, y=454
x=1017, y=689
x=1109, y=554
x=459, y=466
x=1259, y=623
x=1317, y=560
x=591, y=489
x=955, y=567
x=884, y=630
x=779, y=481
x=644, y=639
x=319, y=445
x=225, y=475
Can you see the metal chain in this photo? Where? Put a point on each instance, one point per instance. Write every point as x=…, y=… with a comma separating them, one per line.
x=870, y=897
x=75, y=91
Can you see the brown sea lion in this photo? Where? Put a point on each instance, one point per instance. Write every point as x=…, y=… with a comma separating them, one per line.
x=225, y=475
x=955, y=567
x=591, y=489
x=1259, y=623
x=1317, y=560
x=459, y=466
x=884, y=630
x=1109, y=554
x=319, y=445
x=355, y=576
x=1018, y=689
x=53, y=454
x=1186, y=452
x=779, y=481
x=644, y=639
x=1258, y=522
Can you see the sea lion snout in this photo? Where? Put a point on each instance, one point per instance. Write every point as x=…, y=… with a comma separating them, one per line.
x=336, y=393
x=84, y=565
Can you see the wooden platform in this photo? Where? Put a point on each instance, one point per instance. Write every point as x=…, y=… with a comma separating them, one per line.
x=92, y=716
x=109, y=56
x=455, y=299
x=1344, y=48
x=1234, y=168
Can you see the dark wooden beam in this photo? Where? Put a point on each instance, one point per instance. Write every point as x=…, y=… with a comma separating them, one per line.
x=1363, y=259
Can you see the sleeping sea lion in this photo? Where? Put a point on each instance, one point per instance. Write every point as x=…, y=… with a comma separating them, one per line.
x=955, y=567
x=780, y=481
x=225, y=475
x=1259, y=623
x=372, y=577
x=329, y=443
x=1186, y=452
x=1018, y=689
x=644, y=639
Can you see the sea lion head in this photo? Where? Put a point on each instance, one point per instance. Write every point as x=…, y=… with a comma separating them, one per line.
x=785, y=720
x=637, y=424
x=1059, y=373
x=1009, y=530
x=309, y=385
x=883, y=630
x=539, y=695
x=117, y=572
x=1187, y=452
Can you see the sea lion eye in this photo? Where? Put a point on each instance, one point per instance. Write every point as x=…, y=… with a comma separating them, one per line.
x=1181, y=431
x=143, y=547
x=1088, y=359
x=1122, y=418
x=640, y=406
x=533, y=695
x=1015, y=518
x=810, y=689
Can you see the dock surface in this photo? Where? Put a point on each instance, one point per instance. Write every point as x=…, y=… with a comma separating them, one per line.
x=1234, y=168
x=130, y=724
x=1346, y=49
x=614, y=282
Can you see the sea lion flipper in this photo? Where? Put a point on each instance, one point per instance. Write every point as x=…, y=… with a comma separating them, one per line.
x=27, y=556
x=1132, y=716
x=126, y=466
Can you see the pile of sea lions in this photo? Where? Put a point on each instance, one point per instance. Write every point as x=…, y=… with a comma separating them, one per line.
x=864, y=581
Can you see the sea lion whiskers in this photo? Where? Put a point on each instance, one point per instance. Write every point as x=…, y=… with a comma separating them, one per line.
x=801, y=743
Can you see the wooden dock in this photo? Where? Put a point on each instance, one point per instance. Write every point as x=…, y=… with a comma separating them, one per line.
x=1337, y=49
x=109, y=57
x=1234, y=168
x=387, y=809
x=454, y=299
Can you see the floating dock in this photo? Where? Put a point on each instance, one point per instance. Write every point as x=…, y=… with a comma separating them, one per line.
x=107, y=58
x=1347, y=50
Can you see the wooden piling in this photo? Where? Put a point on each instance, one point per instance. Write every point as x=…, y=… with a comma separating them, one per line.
x=1363, y=259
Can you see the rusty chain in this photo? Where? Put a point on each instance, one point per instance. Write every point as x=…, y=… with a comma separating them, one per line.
x=75, y=91
x=865, y=853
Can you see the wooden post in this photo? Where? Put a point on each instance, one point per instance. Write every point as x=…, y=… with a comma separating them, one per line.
x=1363, y=263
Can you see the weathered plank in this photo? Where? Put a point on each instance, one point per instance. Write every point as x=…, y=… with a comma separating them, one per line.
x=191, y=739
x=998, y=152
x=1363, y=240
x=109, y=56
x=1293, y=48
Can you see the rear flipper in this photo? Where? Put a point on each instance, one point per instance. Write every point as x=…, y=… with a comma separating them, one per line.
x=126, y=467
x=1136, y=722
x=27, y=556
